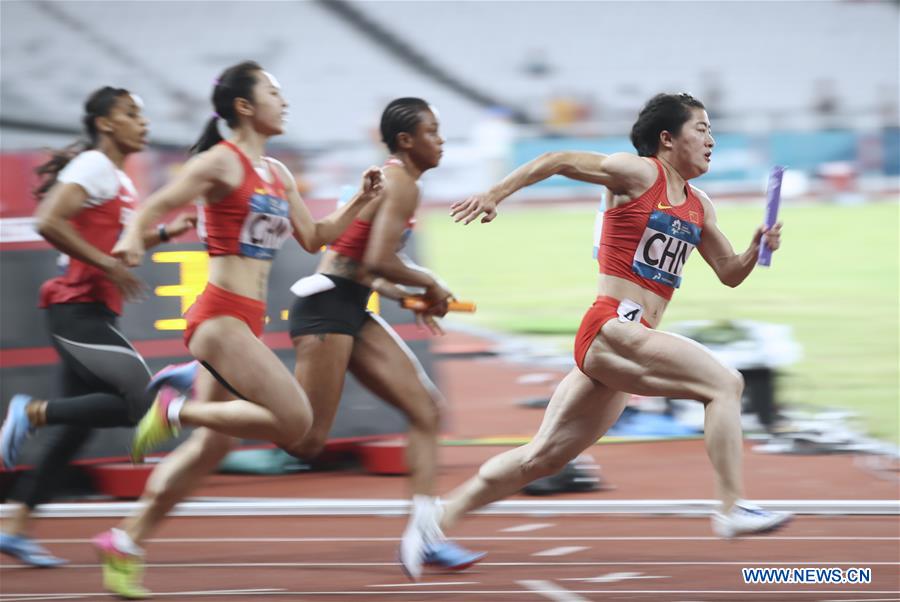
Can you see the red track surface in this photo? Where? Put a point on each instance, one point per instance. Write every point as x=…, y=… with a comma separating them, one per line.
x=608, y=558
x=352, y=559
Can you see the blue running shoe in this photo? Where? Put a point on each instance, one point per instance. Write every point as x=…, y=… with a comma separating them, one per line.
x=177, y=376
x=15, y=430
x=450, y=556
x=28, y=551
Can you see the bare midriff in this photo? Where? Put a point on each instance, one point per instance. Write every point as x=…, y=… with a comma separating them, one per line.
x=619, y=288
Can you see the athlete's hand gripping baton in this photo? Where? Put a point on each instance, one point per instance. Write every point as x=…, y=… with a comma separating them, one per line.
x=416, y=303
x=773, y=199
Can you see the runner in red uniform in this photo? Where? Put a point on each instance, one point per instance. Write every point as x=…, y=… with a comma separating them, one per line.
x=86, y=198
x=251, y=207
x=333, y=332
x=654, y=219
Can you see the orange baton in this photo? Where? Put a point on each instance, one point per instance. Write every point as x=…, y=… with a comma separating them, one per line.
x=418, y=304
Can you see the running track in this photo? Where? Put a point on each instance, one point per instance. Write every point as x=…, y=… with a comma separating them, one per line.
x=560, y=558
x=599, y=557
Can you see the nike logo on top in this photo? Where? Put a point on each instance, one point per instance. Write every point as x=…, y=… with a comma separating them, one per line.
x=660, y=205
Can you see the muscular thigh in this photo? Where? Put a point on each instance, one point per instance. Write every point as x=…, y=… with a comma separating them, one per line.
x=385, y=365
x=232, y=350
x=322, y=361
x=636, y=359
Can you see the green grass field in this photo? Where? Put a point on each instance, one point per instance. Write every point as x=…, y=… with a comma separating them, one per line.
x=835, y=281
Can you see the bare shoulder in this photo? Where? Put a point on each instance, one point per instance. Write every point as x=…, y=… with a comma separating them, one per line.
x=215, y=163
x=283, y=172
x=400, y=187
x=709, y=211
x=704, y=198
x=634, y=174
x=629, y=163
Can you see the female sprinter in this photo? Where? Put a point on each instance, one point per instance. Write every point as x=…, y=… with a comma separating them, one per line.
x=251, y=207
x=334, y=333
x=85, y=200
x=654, y=219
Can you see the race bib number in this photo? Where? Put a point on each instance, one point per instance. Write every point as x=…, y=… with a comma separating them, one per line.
x=664, y=248
x=629, y=311
x=265, y=228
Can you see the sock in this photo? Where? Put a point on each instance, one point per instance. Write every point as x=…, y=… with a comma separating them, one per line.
x=427, y=512
x=174, y=411
x=124, y=543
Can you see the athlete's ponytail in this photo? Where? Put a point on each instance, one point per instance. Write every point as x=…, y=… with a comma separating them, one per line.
x=98, y=104
x=235, y=82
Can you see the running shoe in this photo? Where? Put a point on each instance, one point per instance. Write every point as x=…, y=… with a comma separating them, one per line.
x=16, y=428
x=177, y=376
x=122, y=572
x=412, y=550
x=28, y=551
x=747, y=519
x=154, y=428
x=450, y=556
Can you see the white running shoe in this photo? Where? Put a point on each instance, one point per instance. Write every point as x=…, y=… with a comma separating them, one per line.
x=745, y=519
x=412, y=549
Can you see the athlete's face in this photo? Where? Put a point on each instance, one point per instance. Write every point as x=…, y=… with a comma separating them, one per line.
x=270, y=107
x=126, y=124
x=693, y=145
x=427, y=144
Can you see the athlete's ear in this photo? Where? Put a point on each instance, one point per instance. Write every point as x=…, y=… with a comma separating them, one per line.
x=665, y=139
x=404, y=141
x=244, y=107
x=104, y=124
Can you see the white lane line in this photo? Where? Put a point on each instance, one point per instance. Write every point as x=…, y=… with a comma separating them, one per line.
x=526, y=528
x=429, y=584
x=561, y=551
x=30, y=597
x=614, y=577
x=551, y=591
x=469, y=592
x=266, y=591
x=239, y=565
x=864, y=600
x=486, y=538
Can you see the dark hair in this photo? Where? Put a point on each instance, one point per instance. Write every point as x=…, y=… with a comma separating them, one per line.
x=663, y=112
x=401, y=115
x=235, y=82
x=98, y=104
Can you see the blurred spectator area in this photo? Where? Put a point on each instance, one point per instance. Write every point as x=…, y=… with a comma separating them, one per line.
x=571, y=72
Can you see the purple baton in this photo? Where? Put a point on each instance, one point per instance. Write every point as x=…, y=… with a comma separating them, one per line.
x=773, y=198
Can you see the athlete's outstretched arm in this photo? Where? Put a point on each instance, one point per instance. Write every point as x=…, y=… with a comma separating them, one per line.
x=195, y=180
x=313, y=234
x=619, y=172
x=173, y=229
x=731, y=268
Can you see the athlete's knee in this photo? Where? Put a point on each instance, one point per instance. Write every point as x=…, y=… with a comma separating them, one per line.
x=428, y=414
x=137, y=402
x=294, y=420
x=732, y=384
x=543, y=460
x=309, y=447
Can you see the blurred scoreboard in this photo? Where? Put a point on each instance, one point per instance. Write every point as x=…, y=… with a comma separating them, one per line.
x=176, y=274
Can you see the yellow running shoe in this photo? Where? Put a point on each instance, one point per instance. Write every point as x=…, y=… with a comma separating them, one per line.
x=122, y=572
x=154, y=428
